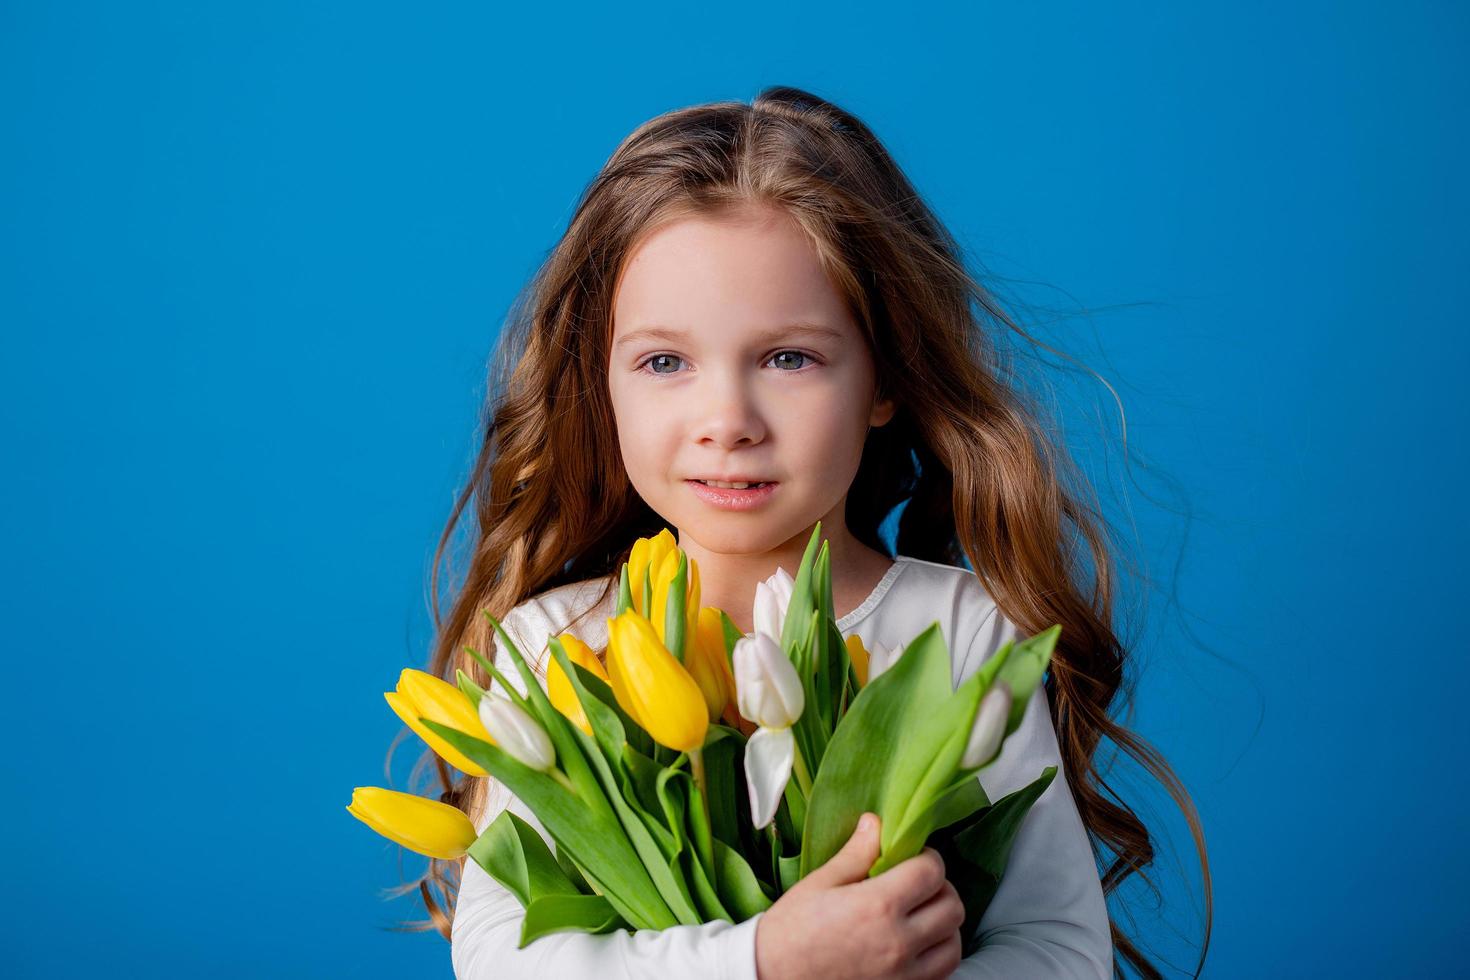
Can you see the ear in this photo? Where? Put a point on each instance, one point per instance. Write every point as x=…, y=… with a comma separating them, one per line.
x=883, y=411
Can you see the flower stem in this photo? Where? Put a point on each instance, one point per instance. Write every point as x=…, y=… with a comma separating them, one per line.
x=803, y=778
x=702, y=836
x=561, y=777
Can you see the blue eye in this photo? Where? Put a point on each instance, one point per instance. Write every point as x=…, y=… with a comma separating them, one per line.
x=649, y=362
x=658, y=357
x=796, y=352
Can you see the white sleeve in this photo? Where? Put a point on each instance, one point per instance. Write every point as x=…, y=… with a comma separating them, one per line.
x=1049, y=917
x=487, y=920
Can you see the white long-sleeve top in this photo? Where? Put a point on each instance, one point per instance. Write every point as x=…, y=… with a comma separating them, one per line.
x=1048, y=917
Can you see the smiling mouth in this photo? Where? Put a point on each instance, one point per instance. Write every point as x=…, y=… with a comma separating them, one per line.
x=734, y=486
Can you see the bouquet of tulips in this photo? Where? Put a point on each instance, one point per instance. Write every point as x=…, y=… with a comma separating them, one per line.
x=634, y=768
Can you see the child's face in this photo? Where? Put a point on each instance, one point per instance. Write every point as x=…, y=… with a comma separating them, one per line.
x=738, y=392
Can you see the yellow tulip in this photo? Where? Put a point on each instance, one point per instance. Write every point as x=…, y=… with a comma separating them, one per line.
x=648, y=556
x=662, y=576
x=422, y=825
x=652, y=686
x=858, y=654
x=422, y=695
x=707, y=662
x=559, y=687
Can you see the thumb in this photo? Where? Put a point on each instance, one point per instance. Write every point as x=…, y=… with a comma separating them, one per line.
x=852, y=862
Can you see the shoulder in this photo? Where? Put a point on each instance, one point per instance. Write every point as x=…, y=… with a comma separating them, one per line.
x=979, y=626
x=578, y=607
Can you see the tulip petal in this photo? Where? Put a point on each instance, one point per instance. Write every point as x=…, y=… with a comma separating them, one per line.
x=522, y=738
x=559, y=688
x=582, y=655
x=772, y=598
x=858, y=654
x=652, y=686
x=422, y=825
x=409, y=713
x=768, y=759
x=767, y=686
x=989, y=727
x=564, y=697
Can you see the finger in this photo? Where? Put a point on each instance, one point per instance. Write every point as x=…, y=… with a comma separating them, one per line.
x=939, y=960
x=936, y=918
x=852, y=862
x=912, y=882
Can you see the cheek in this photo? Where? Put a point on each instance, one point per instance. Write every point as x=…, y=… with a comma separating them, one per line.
x=644, y=431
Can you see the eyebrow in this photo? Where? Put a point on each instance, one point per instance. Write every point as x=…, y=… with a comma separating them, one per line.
x=669, y=333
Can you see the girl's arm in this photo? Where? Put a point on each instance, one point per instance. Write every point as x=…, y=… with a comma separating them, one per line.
x=487, y=929
x=1048, y=917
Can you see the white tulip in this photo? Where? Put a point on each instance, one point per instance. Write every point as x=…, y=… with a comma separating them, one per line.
x=880, y=658
x=767, y=688
x=772, y=597
x=768, y=758
x=989, y=727
x=517, y=732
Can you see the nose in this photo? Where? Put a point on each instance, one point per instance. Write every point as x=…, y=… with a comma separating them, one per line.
x=727, y=413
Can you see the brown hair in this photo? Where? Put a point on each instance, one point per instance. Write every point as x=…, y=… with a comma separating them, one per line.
x=967, y=450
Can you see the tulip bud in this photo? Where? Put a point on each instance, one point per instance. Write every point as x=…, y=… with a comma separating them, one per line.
x=772, y=597
x=767, y=687
x=647, y=556
x=422, y=825
x=652, y=686
x=989, y=727
x=707, y=663
x=517, y=732
x=422, y=695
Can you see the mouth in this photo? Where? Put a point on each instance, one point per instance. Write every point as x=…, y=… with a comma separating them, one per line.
x=744, y=496
x=735, y=484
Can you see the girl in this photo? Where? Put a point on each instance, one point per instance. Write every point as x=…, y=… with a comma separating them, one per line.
x=756, y=294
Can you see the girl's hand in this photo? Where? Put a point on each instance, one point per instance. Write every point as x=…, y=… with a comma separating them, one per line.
x=838, y=922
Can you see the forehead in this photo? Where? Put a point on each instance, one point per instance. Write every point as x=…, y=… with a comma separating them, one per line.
x=747, y=273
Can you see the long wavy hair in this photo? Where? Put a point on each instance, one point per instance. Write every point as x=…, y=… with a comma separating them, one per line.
x=968, y=457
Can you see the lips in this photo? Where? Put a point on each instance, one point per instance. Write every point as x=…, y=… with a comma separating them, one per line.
x=709, y=481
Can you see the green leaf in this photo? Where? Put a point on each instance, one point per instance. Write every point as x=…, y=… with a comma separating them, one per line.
x=625, y=592
x=563, y=734
x=790, y=868
x=562, y=913
x=1024, y=668
x=573, y=873
x=723, y=785
x=469, y=688
x=675, y=618
x=607, y=727
x=860, y=761
x=514, y=854
x=591, y=835
x=705, y=895
x=954, y=805
x=838, y=670
x=801, y=608
x=812, y=731
x=819, y=695
x=732, y=636
x=740, y=890
x=975, y=855
x=926, y=760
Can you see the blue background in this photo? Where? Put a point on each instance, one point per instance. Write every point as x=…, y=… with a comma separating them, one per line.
x=254, y=260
